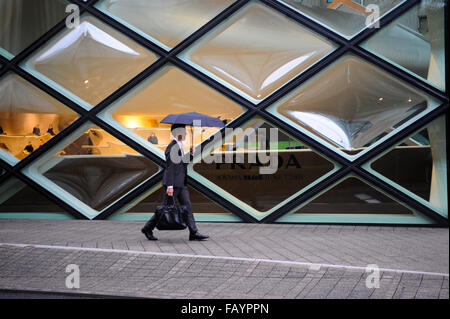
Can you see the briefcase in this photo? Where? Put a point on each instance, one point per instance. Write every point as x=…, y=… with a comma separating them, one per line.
x=171, y=216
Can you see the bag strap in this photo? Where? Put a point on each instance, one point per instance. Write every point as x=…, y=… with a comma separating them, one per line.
x=166, y=200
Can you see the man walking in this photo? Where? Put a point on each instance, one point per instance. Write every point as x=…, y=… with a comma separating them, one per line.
x=175, y=183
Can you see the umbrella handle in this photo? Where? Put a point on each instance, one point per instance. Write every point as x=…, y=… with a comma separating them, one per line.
x=192, y=138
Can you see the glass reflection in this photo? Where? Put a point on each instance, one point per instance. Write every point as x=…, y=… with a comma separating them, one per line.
x=92, y=60
x=28, y=118
x=167, y=21
x=297, y=167
x=96, y=168
x=23, y=21
x=346, y=17
x=352, y=196
x=419, y=165
x=352, y=104
x=169, y=91
x=415, y=41
x=17, y=197
x=258, y=50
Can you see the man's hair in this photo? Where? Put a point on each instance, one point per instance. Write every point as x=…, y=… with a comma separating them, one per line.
x=175, y=126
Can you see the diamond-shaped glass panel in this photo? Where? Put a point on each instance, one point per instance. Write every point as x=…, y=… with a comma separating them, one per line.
x=352, y=104
x=418, y=164
x=19, y=199
x=237, y=162
x=257, y=51
x=24, y=21
x=90, y=61
x=353, y=196
x=93, y=167
x=346, y=17
x=168, y=91
x=29, y=117
x=167, y=21
x=415, y=42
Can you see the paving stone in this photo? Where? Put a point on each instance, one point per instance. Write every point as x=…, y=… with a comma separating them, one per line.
x=150, y=275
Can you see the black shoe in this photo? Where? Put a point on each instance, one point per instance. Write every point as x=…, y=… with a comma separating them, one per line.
x=148, y=234
x=197, y=236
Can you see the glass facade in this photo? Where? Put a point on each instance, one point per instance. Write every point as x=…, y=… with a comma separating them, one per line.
x=324, y=123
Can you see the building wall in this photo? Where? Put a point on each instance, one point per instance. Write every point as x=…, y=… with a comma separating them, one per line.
x=352, y=116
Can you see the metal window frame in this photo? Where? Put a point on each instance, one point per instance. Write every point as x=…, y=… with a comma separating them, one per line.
x=170, y=57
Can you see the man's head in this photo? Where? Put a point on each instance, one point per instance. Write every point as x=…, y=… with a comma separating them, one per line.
x=178, y=131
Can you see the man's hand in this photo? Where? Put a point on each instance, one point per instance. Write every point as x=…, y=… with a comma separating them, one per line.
x=169, y=191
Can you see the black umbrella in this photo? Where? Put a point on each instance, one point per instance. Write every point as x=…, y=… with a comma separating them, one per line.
x=190, y=117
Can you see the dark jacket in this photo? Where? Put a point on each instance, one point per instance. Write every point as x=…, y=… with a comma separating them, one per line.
x=175, y=174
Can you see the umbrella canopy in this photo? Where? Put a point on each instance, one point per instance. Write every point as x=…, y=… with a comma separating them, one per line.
x=189, y=118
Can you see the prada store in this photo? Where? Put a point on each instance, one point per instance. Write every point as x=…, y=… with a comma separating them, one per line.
x=357, y=92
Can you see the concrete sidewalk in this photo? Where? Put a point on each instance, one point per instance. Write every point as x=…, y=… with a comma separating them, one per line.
x=238, y=261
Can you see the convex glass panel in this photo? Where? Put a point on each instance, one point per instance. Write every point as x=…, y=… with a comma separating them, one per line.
x=352, y=104
x=19, y=199
x=346, y=17
x=24, y=21
x=92, y=166
x=419, y=164
x=257, y=51
x=415, y=41
x=167, y=21
x=90, y=61
x=29, y=118
x=238, y=165
x=167, y=92
x=353, y=196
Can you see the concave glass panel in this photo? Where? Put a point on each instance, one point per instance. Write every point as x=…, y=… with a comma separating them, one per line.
x=353, y=196
x=95, y=167
x=17, y=197
x=239, y=157
x=29, y=117
x=200, y=203
x=352, y=104
x=169, y=91
x=258, y=50
x=418, y=164
x=24, y=21
x=167, y=21
x=345, y=17
x=91, y=61
x=415, y=41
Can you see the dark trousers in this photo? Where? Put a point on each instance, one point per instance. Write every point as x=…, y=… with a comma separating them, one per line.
x=181, y=194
